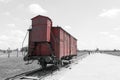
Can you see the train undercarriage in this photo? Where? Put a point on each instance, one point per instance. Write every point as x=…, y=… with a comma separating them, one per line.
x=44, y=60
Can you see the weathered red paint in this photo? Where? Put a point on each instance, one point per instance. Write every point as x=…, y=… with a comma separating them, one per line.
x=45, y=40
x=39, y=36
x=41, y=27
x=63, y=43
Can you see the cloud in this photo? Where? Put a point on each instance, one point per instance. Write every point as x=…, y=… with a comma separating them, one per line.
x=6, y=13
x=17, y=35
x=115, y=37
x=117, y=29
x=3, y=38
x=110, y=13
x=2, y=0
x=4, y=41
x=104, y=33
x=110, y=36
x=37, y=9
x=5, y=1
x=68, y=27
x=13, y=39
x=11, y=25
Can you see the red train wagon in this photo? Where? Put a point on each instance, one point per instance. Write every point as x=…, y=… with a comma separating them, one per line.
x=63, y=43
x=49, y=45
x=39, y=36
x=73, y=46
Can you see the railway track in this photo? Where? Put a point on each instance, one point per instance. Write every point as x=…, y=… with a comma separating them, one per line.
x=39, y=74
x=19, y=76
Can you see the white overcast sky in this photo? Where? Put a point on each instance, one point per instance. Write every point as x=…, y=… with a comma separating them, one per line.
x=95, y=23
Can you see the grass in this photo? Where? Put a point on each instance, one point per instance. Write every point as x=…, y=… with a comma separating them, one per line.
x=115, y=53
x=14, y=65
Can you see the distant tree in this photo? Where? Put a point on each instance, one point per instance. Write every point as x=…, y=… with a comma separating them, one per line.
x=9, y=51
x=114, y=50
x=78, y=50
x=25, y=49
x=97, y=49
x=4, y=51
x=0, y=50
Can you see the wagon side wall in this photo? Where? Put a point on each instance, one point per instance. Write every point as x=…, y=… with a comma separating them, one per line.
x=55, y=41
x=66, y=44
x=73, y=46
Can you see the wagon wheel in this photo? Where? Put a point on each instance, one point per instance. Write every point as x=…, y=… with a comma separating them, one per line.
x=43, y=65
x=59, y=64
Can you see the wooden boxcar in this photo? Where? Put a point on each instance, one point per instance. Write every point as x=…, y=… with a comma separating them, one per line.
x=48, y=44
x=63, y=43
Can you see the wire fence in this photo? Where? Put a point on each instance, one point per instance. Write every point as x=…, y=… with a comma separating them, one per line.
x=9, y=53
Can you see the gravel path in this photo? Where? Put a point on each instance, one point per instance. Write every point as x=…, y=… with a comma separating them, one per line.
x=95, y=67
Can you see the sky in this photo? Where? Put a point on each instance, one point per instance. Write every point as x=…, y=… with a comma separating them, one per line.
x=95, y=23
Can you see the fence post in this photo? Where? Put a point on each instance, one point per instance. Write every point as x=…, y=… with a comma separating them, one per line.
x=8, y=51
x=17, y=52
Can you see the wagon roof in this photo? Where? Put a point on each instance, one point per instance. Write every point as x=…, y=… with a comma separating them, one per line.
x=41, y=16
x=64, y=31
